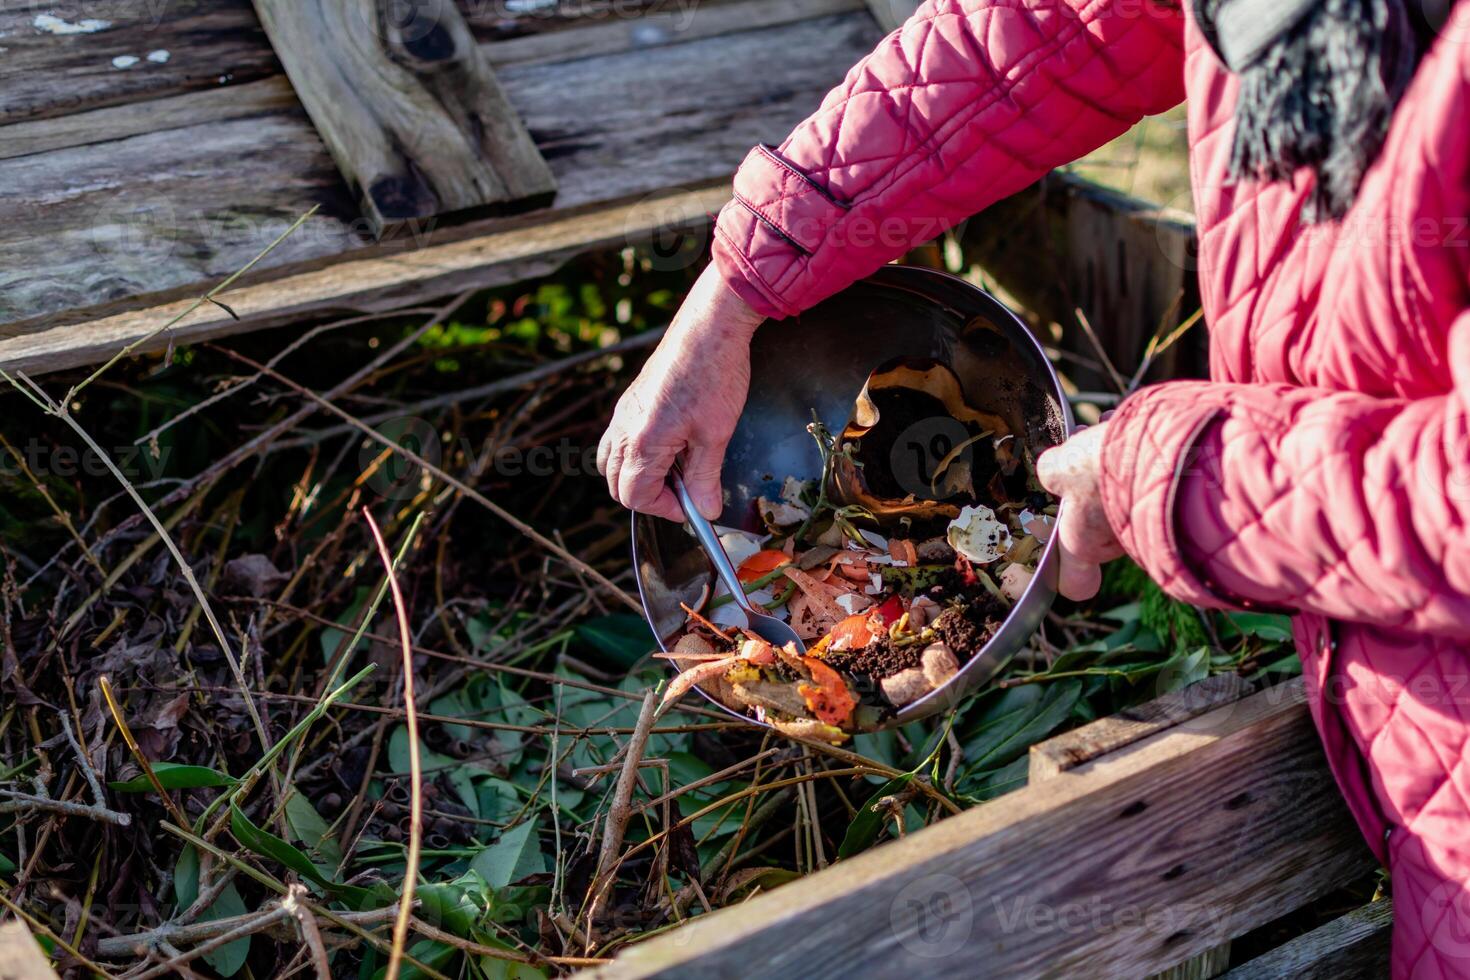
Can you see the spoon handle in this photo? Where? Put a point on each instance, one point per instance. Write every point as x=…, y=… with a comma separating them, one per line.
x=709, y=540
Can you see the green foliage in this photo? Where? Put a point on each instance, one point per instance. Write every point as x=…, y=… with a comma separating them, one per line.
x=174, y=776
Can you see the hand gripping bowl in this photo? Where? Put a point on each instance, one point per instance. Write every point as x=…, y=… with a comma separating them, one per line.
x=819, y=361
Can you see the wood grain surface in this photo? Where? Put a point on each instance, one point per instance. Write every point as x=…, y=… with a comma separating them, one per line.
x=1121, y=867
x=90, y=231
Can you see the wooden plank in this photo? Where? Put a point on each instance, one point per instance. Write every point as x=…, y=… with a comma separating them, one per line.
x=87, y=232
x=1352, y=947
x=408, y=106
x=20, y=956
x=1071, y=749
x=1067, y=751
x=1124, y=866
x=274, y=94
x=1129, y=265
x=211, y=44
x=219, y=44
x=369, y=284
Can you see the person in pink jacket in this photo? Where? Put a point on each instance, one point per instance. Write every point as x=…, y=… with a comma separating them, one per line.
x=1325, y=468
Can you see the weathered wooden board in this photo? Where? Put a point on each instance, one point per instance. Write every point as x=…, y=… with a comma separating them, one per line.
x=1091, y=741
x=66, y=66
x=46, y=71
x=151, y=217
x=267, y=96
x=1352, y=947
x=1069, y=750
x=408, y=106
x=1121, y=867
x=369, y=283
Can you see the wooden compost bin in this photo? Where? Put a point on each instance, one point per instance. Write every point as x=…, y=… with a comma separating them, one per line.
x=1144, y=843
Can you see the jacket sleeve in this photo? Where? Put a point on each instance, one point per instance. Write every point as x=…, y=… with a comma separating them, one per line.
x=969, y=101
x=1347, y=505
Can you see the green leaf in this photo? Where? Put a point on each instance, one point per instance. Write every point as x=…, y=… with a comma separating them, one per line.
x=498, y=969
x=6, y=865
x=451, y=906
x=308, y=827
x=998, y=782
x=620, y=639
x=174, y=776
x=1183, y=669
x=266, y=844
x=499, y=800
x=514, y=856
x=229, y=958
x=868, y=823
x=1272, y=627
x=1017, y=722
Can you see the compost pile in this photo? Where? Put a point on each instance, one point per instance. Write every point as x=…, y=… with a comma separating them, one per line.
x=891, y=588
x=237, y=801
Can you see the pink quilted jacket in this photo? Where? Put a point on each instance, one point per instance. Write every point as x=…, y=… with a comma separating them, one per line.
x=1324, y=471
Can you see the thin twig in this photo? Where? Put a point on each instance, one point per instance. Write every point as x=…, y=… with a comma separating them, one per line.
x=619, y=811
x=1102, y=353
x=415, y=768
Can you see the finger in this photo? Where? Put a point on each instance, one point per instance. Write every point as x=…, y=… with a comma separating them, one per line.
x=1078, y=579
x=665, y=505
x=643, y=477
x=702, y=478
x=1051, y=470
x=614, y=467
x=604, y=449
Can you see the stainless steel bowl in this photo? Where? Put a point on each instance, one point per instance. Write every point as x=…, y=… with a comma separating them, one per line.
x=819, y=361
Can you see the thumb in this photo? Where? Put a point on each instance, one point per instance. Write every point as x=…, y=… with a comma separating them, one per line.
x=702, y=477
x=1051, y=470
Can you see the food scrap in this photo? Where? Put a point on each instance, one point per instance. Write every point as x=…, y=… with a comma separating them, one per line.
x=891, y=588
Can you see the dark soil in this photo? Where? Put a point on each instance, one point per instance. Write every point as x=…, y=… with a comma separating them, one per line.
x=965, y=628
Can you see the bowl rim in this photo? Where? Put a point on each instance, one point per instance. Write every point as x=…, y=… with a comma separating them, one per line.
x=965, y=681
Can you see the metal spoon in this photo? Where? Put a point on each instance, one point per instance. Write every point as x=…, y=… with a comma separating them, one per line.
x=767, y=627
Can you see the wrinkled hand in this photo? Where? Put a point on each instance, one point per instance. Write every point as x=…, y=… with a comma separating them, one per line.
x=686, y=400
x=1073, y=471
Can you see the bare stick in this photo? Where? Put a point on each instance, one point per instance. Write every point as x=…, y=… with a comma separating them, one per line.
x=138, y=756
x=310, y=934
x=620, y=810
x=250, y=927
x=416, y=775
x=23, y=802
x=110, y=947
x=1102, y=353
